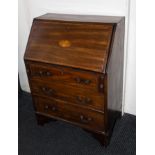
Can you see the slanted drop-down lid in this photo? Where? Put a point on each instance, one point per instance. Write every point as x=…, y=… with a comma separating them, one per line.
x=78, y=44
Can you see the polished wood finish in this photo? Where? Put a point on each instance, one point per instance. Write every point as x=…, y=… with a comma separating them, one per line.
x=77, y=115
x=75, y=70
x=63, y=75
x=77, y=96
x=80, y=18
x=114, y=82
x=88, y=41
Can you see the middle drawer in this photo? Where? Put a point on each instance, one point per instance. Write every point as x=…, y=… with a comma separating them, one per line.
x=68, y=93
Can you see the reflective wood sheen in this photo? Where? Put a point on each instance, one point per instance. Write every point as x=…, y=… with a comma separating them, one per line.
x=75, y=70
x=70, y=44
x=72, y=113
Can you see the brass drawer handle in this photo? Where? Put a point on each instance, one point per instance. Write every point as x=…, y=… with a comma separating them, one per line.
x=46, y=107
x=84, y=81
x=83, y=100
x=64, y=43
x=47, y=91
x=53, y=108
x=45, y=73
x=85, y=120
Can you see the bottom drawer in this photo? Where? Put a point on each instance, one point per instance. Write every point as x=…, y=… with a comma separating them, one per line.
x=61, y=110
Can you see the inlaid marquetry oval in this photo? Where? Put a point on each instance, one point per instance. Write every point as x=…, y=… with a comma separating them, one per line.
x=64, y=43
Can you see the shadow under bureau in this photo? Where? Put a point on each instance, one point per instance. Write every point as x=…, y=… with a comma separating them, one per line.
x=74, y=65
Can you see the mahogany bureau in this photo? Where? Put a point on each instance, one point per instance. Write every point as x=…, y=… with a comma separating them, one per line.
x=74, y=65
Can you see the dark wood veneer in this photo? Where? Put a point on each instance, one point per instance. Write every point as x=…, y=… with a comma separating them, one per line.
x=72, y=113
x=75, y=70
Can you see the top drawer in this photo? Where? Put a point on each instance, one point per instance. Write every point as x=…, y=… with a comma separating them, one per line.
x=64, y=75
x=73, y=44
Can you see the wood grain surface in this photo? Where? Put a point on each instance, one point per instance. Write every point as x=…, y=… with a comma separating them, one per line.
x=88, y=44
x=72, y=113
x=75, y=67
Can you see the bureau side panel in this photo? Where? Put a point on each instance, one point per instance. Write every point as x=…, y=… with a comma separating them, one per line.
x=115, y=73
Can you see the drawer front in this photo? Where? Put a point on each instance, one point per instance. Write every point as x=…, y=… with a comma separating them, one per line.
x=74, y=114
x=63, y=75
x=67, y=93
